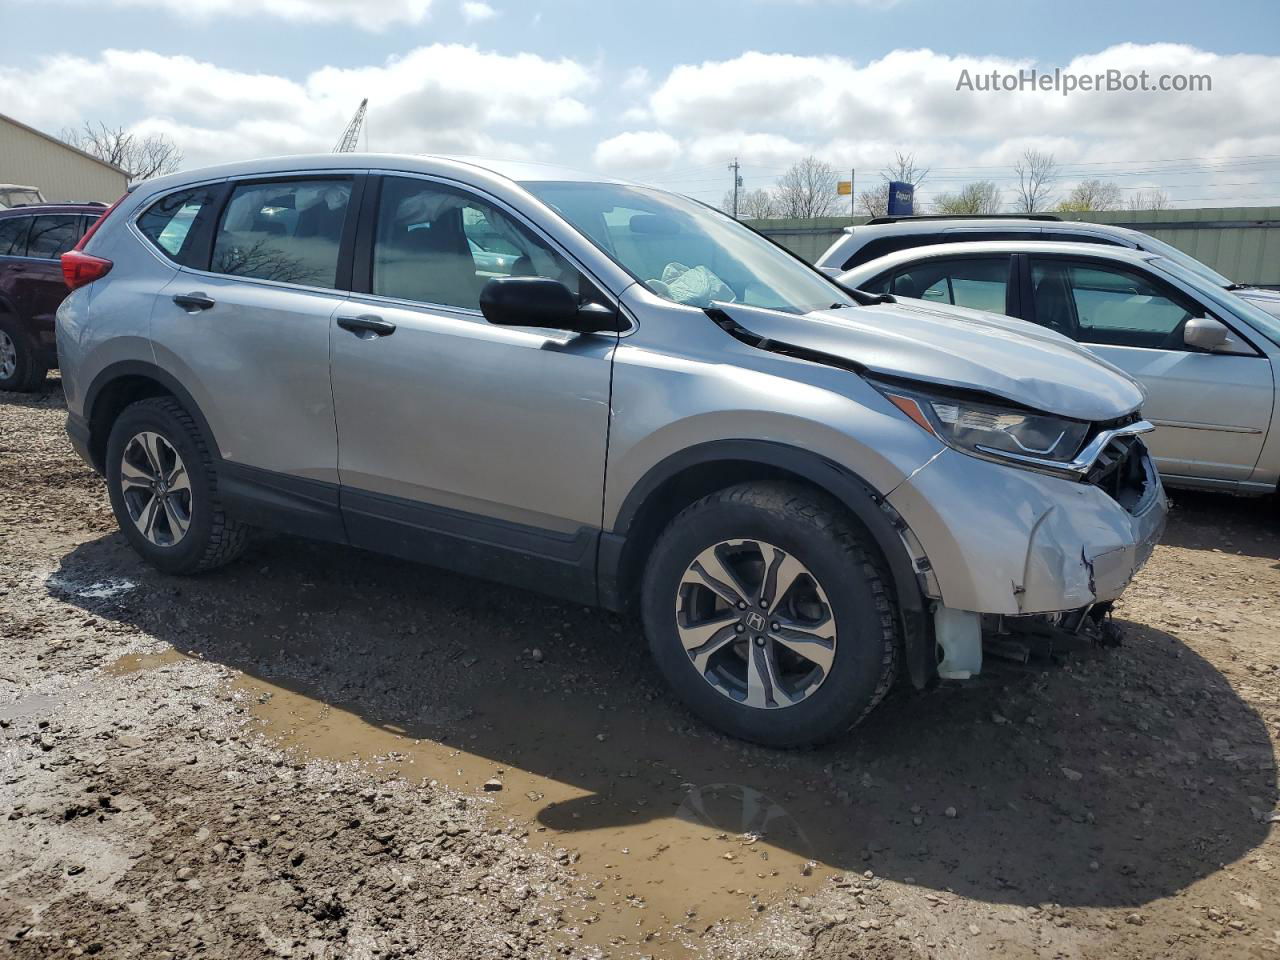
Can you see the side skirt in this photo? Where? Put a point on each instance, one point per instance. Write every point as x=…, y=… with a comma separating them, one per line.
x=559, y=564
x=562, y=565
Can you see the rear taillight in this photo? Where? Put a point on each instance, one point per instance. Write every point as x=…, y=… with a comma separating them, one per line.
x=79, y=268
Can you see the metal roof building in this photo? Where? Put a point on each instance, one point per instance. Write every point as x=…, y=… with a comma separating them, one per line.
x=60, y=171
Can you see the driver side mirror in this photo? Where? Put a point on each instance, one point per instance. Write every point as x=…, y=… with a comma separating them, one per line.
x=542, y=302
x=1205, y=333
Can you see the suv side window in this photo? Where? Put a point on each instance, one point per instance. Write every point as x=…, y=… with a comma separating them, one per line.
x=1082, y=238
x=13, y=236
x=436, y=244
x=1098, y=303
x=885, y=245
x=288, y=231
x=168, y=222
x=53, y=235
x=978, y=282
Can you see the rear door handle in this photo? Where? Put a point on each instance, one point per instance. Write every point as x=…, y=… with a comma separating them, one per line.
x=193, y=301
x=367, y=323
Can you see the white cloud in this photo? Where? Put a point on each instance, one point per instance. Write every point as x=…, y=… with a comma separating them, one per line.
x=474, y=11
x=770, y=108
x=377, y=15
x=432, y=99
x=757, y=149
x=640, y=150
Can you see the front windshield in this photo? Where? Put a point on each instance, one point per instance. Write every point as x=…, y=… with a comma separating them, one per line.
x=686, y=252
x=1259, y=319
x=1170, y=252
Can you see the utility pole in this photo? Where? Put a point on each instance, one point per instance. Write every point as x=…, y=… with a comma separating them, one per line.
x=853, y=194
x=737, y=182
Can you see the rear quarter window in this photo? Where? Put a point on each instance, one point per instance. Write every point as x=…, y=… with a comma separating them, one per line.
x=169, y=223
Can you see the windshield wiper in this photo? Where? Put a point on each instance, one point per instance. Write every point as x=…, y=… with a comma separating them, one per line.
x=1239, y=286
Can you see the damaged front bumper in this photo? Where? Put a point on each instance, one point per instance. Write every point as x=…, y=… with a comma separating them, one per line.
x=991, y=539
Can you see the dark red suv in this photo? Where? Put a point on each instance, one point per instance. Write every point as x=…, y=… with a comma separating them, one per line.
x=32, y=238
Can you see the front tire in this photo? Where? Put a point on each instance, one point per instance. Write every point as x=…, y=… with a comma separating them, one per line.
x=164, y=491
x=21, y=369
x=767, y=610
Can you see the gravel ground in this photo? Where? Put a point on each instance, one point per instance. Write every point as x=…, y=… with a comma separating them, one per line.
x=318, y=752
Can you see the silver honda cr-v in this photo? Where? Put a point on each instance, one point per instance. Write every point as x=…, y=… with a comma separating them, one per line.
x=608, y=393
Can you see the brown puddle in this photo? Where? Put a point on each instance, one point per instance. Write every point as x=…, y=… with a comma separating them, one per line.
x=138, y=662
x=669, y=857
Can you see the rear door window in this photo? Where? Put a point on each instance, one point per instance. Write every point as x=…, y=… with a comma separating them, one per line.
x=169, y=222
x=13, y=236
x=287, y=231
x=52, y=236
x=981, y=283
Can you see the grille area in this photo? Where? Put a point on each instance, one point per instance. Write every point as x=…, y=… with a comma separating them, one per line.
x=1121, y=472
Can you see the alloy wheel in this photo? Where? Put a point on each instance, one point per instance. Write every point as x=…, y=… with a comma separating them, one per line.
x=756, y=624
x=8, y=356
x=156, y=488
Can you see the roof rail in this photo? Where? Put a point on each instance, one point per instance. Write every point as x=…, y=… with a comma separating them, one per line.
x=874, y=221
x=57, y=203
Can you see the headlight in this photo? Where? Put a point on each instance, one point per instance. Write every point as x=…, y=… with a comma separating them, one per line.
x=989, y=431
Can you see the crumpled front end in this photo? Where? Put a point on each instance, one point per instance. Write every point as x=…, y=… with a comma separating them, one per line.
x=999, y=540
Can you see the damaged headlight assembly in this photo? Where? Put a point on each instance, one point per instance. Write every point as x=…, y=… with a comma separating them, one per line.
x=1009, y=434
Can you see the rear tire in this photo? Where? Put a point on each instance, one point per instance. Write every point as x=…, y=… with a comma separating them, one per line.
x=164, y=490
x=21, y=370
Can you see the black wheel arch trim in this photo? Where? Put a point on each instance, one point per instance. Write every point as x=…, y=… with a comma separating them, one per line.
x=851, y=490
x=142, y=368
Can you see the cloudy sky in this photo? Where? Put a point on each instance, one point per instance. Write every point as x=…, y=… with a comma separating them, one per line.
x=669, y=92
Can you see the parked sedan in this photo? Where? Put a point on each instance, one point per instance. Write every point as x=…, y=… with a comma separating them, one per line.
x=1207, y=357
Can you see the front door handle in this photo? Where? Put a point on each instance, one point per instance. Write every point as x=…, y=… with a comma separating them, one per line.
x=193, y=301
x=367, y=323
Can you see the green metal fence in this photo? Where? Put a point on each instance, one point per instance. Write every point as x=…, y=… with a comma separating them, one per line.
x=1242, y=243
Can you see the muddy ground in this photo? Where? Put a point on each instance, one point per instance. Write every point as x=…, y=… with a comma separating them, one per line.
x=318, y=752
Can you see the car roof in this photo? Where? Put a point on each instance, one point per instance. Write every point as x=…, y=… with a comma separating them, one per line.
x=440, y=164
x=1059, y=248
x=931, y=224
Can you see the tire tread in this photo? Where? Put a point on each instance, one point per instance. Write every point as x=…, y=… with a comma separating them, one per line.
x=227, y=537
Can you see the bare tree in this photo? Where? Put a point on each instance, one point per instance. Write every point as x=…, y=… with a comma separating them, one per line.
x=903, y=169
x=980, y=197
x=141, y=157
x=752, y=205
x=807, y=190
x=757, y=205
x=1153, y=199
x=1036, y=173
x=1092, y=195
x=875, y=202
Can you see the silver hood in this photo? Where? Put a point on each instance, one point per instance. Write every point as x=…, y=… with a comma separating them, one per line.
x=958, y=347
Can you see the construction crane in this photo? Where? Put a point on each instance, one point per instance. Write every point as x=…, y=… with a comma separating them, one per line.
x=351, y=136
